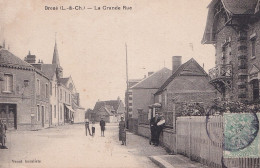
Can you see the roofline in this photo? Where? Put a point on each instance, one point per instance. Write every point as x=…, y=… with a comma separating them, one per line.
x=148, y=77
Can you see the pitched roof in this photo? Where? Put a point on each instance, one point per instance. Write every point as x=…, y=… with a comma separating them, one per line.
x=9, y=59
x=114, y=103
x=155, y=80
x=233, y=7
x=240, y=6
x=64, y=80
x=109, y=109
x=49, y=70
x=189, y=68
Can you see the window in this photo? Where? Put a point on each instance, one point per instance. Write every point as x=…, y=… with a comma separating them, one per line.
x=60, y=112
x=60, y=94
x=65, y=96
x=130, y=104
x=253, y=49
x=46, y=90
x=38, y=115
x=160, y=98
x=255, y=87
x=55, y=90
x=50, y=88
x=54, y=111
x=8, y=83
x=130, y=98
x=38, y=87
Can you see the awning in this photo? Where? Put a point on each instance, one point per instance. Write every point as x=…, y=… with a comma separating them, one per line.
x=70, y=108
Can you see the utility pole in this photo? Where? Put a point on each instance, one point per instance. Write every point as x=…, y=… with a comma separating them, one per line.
x=127, y=89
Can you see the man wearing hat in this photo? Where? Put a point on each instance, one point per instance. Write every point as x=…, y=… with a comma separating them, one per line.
x=156, y=125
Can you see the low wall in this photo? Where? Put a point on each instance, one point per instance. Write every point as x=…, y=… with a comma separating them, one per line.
x=167, y=137
x=133, y=125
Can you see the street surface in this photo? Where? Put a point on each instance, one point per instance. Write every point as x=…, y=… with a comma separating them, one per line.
x=68, y=146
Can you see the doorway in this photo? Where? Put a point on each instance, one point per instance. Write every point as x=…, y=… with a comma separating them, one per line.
x=8, y=113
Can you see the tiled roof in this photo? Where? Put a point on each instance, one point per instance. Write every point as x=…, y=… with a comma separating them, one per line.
x=186, y=69
x=49, y=70
x=64, y=80
x=155, y=80
x=114, y=103
x=240, y=6
x=9, y=59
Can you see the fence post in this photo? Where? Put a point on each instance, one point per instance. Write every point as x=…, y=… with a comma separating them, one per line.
x=189, y=137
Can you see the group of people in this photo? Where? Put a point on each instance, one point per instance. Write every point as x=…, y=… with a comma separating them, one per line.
x=102, y=124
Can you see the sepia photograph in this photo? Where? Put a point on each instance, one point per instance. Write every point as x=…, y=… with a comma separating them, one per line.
x=129, y=84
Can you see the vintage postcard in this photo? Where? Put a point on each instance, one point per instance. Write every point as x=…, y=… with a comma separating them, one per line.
x=129, y=83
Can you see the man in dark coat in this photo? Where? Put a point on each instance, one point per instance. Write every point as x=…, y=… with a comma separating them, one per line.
x=102, y=126
x=87, y=127
x=153, y=127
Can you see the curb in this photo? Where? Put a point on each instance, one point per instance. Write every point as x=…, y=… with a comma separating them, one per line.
x=160, y=162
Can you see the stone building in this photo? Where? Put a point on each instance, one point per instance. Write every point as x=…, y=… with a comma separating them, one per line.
x=143, y=92
x=24, y=93
x=110, y=110
x=189, y=83
x=35, y=95
x=233, y=28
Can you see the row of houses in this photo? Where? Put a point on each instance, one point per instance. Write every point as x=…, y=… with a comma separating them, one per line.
x=35, y=95
x=161, y=90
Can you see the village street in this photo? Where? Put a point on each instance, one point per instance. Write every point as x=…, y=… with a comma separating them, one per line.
x=67, y=146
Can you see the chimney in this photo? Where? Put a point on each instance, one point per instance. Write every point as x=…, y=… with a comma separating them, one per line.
x=150, y=73
x=176, y=62
x=30, y=58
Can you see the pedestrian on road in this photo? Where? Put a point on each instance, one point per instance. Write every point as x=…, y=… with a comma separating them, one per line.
x=3, y=129
x=102, y=126
x=122, y=133
x=87, y=127
x=93, y=128
x=153, y=128
x=160, y=122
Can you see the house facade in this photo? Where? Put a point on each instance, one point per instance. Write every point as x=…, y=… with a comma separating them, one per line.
x=233, y=27
x=189, y=83
x=143, y=92
x=24, y=93
x=35, y=95
x=110, y=111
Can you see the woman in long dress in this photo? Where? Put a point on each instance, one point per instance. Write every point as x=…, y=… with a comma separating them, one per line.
x=122, y=133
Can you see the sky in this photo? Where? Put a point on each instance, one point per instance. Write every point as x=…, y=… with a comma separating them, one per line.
x=91, y=43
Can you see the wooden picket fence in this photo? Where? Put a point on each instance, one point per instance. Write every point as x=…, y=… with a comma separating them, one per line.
x=201, y=140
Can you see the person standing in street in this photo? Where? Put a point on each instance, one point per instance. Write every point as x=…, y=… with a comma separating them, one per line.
x=87, y=127
x=93, y=128
x=3, y=129
x=122, y=133
x=102, y=126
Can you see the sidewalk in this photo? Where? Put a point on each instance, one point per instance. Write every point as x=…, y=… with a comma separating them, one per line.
x=175, y=161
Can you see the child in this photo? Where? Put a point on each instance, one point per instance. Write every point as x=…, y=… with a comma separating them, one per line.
x=93, y=128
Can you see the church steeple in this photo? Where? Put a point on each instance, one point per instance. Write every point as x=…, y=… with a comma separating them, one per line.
x=55, y=58
x=56, y=61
